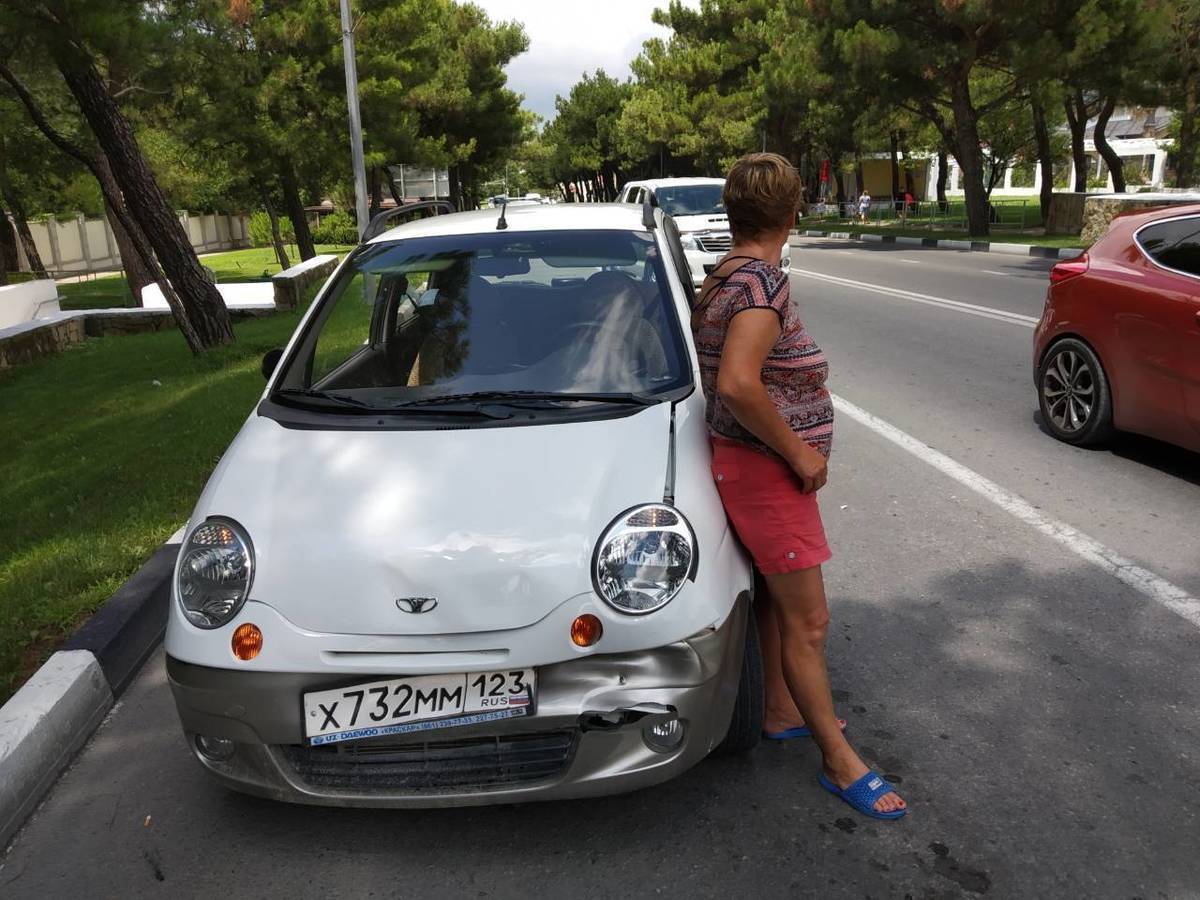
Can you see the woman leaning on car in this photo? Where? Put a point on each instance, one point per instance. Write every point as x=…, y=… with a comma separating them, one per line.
x=770, y=419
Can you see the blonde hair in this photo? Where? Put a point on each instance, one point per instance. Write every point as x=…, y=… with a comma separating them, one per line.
x=762, y=193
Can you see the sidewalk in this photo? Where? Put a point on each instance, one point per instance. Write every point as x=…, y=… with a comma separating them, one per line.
x=947, y=244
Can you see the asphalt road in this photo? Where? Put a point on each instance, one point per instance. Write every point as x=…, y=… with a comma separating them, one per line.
x=1039, y=714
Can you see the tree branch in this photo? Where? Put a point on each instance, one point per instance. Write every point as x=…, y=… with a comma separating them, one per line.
x=35, y=113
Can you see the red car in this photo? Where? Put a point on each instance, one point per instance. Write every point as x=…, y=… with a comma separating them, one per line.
x=1118, y=346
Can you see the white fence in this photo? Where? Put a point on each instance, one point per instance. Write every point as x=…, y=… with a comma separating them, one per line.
x=88, y=245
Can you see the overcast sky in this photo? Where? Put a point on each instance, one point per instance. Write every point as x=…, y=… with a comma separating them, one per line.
x=570, y=37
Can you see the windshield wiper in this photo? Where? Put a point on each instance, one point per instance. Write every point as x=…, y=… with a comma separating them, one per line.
x=627, y=398
x=323, y=398
x=341, y=401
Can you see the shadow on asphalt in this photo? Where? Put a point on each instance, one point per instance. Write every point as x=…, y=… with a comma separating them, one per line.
x=1040, y=723
x=1144, y=451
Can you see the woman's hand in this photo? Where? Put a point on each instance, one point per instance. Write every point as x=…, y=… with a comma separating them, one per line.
x=810, y=466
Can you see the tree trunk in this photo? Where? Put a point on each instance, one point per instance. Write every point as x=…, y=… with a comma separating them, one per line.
x=374, y=189
x=8, y=247
x=1077, y=117
x=1116, y=166
x=24, y=235
x=1041, y=135
x=198, y=307
x=943, y=178
x=839, y=182
x=970, y=157
x=1185, y=169
x=858, y=172
x=137, y=274
x=295, y=209
x=276, y=237
x=893, y=148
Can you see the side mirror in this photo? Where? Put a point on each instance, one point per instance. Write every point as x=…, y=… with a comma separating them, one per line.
x=270, y=360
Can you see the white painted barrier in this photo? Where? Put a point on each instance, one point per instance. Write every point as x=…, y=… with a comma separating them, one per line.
x=237, y=295
x=29, y=300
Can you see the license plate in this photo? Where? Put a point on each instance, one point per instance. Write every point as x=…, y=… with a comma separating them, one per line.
x=417, y=703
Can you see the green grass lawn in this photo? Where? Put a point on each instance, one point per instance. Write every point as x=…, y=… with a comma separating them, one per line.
x=105, y=449
x=253, y=264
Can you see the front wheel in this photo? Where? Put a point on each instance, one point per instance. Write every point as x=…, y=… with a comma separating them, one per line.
x=745, y=727
x=1073, y=394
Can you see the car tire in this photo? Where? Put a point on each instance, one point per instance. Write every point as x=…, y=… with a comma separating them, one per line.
x=1073, y=394
x=745, y=726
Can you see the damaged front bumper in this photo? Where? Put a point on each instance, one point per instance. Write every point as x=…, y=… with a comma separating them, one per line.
x=604, y=724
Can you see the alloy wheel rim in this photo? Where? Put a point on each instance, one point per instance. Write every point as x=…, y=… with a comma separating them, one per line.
x=1069, y=391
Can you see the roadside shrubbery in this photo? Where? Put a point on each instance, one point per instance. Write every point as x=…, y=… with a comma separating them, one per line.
x=336, y=228
x=260, y=229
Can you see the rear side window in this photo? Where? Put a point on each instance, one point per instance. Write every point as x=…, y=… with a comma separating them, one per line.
x=1174, y=244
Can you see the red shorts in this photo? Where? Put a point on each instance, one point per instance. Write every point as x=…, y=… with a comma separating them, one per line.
x=775, y=521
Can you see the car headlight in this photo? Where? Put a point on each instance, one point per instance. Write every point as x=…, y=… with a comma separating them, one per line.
x=214, y=573
x=688, y=242
x=643, y=559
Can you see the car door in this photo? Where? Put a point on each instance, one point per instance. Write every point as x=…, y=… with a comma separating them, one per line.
x=1171, y=299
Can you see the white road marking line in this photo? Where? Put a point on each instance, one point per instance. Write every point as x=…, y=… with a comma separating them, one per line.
x=986, y=312
x=1142, y=580
x=993, y=272
x=915, y=262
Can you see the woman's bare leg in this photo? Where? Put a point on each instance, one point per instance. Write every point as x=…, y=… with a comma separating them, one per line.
x=803, y=617
x=779, y=710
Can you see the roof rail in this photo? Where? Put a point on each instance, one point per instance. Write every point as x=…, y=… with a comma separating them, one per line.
x=381, y=222
x=648, y=212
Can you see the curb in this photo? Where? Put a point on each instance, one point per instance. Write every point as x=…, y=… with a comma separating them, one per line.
x=53, y=714
x=944, y=244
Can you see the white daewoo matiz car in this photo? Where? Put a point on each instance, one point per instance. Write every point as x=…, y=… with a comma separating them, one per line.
x=467, y=548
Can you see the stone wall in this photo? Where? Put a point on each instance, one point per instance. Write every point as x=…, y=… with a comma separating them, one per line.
x=53, y=337
x=1099, y=211
x=1066, y=213
x=292, y=284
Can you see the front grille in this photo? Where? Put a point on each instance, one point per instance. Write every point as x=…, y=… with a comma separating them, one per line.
x=383, y=764
x=715, y=242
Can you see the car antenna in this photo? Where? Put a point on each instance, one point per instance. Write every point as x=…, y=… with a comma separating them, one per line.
x=502, y=223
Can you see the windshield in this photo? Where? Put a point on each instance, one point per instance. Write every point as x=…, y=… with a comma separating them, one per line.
x=690, y=199
x=532, y=314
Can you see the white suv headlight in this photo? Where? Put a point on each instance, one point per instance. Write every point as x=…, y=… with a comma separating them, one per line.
x=214, y=573
x=688, y=242
x=643, y=559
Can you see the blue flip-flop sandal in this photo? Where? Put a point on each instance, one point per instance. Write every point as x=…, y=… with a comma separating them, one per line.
x=863, y=793
x=800, y=731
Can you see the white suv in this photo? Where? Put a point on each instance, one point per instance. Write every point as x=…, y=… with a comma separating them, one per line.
x=696, y=206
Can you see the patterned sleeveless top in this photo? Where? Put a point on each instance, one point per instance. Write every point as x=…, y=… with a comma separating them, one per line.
x=794, y=372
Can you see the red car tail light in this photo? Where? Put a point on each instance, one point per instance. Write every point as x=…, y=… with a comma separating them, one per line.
x=1069, y=268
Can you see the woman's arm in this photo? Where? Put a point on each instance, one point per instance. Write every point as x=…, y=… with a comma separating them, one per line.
x=752, y=333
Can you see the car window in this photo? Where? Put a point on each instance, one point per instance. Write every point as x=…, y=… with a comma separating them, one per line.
x=1174, y=244
x=574, y=311
x=690, y=199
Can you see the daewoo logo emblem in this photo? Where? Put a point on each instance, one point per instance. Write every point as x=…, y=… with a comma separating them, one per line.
x=416, y=604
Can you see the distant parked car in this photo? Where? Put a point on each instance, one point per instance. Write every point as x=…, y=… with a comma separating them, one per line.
x=695, y=205
x=1118, y=345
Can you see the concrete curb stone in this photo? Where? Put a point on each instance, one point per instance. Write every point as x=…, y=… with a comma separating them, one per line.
x=124, y=631
x=53, y=714
x=943, y=244
x=43, y=726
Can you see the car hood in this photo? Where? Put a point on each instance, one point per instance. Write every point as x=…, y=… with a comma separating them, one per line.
x=710, y=222
x=497, y=524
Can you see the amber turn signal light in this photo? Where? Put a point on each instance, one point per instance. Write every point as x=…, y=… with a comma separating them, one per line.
x=586, y=630
x=247, y=641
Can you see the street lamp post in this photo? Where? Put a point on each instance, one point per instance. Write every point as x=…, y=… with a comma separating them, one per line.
x=356, y=144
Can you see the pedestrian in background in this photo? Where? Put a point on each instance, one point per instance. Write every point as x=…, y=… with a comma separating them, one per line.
x=770, y=420
x=864, y=206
